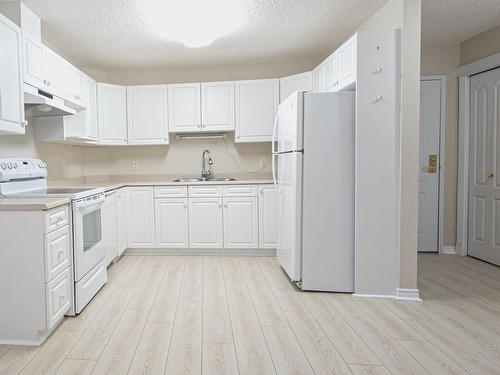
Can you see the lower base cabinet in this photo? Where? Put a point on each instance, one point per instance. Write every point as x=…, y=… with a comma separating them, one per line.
x=241, y=223
x=171, y=221
x=110, y=227
x=140, y=217
x=268, y=217
x=121, y=221
x=205, y=223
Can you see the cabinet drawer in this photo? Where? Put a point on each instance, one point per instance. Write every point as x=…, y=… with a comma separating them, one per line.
x=58, y=297
x=239, y=191
x=56, y=218
x=205, y=191
x=57, y=249
x=170, y=191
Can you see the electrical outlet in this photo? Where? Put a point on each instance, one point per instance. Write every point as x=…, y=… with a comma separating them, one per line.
x=135, y=165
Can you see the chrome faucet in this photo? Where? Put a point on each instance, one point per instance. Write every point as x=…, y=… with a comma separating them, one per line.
x=205, y=172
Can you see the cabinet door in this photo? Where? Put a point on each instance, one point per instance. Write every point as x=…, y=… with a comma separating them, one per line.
x=319, y=78
x=217, y=106
x=121, y=221
x=140, y=217
x=11, y=93
x=109, y=227
x=184, y=103
x=241, y=223
x=55, y=72
x=268, y=218
x=205, y=223
x=297, y=82
x=330, y=74
x=256, y=107
x=112, y=114
x=346, y=65
x=147, y=114
x=34, y=73
x=171, y=220
x=91, y=109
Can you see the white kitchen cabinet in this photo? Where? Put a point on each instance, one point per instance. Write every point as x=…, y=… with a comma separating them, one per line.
x=268, y=220
x=346, y=64
x=147, y=121
x=109, y=226
x=256, y=104
x=34, y=72
x=205, y=223
x=240, y=217
x=171, y=221
x=296, y=82
x=184, y=112
x=217, y=106
x=112, y=114
x=121, y=221
x=319, y=78
x=80, y=128
x=11, y=91
x=140, y=217
x=55, y=73
x=330, y=74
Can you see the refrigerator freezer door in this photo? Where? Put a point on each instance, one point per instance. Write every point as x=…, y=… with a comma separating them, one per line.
x=289, y=181
x=288, y=129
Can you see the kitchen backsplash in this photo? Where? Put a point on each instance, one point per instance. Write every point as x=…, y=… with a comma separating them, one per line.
x=180, y=157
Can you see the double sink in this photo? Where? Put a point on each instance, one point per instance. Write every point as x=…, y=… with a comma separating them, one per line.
x=204, y=179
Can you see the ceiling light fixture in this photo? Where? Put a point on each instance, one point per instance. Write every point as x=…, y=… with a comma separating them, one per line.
x=195, y=23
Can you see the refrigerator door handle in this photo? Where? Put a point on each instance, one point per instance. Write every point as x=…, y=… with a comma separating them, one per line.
x=273, y=164
x=275, y=126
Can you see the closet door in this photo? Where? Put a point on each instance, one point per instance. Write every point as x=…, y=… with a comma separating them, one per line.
x=484, y=168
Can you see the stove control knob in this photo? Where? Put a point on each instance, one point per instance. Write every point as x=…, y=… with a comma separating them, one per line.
x=9, y=165
x=3, y=165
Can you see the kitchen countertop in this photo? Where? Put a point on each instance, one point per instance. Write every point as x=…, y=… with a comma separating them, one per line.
x=116, y=182
x=31, y=204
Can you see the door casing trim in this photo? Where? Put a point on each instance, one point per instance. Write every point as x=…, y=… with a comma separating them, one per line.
x=442, y=144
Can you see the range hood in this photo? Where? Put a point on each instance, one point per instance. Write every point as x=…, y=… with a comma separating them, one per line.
x=39, y=103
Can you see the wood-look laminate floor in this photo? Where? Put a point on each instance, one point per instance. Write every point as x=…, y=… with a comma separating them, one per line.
x=240, y=315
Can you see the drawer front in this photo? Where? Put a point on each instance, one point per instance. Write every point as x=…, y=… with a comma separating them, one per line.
x=58, y=297
x=170, y=191
x=56, y=218
x=239, y=191
x=88, y=287
x=205, y=191
x=57, y=252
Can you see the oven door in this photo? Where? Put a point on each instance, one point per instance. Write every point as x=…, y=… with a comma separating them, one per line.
x=87, y=232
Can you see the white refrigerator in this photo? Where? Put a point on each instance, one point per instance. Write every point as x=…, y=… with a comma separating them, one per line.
x=313, y=170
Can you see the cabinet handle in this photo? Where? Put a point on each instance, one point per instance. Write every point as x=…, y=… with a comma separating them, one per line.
x=25, y=123
x=377, y=70
x=378, y=99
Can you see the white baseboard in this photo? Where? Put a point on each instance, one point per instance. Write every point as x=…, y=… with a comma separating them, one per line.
x=449, y=250
x=408, y=294
x=389, y=296
x=166, y=251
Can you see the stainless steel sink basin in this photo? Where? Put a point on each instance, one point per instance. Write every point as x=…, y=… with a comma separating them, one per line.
x=202, y=179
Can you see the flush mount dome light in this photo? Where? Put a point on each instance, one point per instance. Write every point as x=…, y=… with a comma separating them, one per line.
x=195, y=23
x=44, y=108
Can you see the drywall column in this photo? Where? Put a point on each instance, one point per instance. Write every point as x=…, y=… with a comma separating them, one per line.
x=409, y=147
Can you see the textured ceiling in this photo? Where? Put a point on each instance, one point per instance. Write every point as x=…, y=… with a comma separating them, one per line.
x=107, y=34
x=453, y=21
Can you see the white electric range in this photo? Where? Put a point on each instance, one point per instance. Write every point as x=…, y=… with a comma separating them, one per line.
x=23, y=178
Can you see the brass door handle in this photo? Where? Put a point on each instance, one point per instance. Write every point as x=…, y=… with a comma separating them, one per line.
x=490, y=174
x=431, y=164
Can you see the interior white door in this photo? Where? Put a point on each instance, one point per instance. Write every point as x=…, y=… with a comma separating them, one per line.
x=428, y=195
x=205, y=223
x=484, y=167
x=147, y=121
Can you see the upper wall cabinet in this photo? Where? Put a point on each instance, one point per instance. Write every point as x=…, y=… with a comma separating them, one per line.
x=338, y=71
x=147, y=121
x=217, y=106
x=297, y=82
x=184, y=114
x=34, y=73
x=256, y=105
x=112, y=114
x=11, y=93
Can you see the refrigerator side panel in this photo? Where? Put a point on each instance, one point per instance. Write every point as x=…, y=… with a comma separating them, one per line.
x=328, y=192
